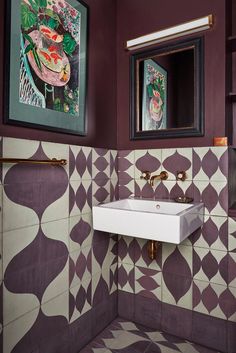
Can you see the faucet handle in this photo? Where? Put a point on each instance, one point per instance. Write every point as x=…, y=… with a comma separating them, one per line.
x=182, y=175
x=146, y=175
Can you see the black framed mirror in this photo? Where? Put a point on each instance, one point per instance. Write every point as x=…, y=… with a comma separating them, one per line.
x=167, y=91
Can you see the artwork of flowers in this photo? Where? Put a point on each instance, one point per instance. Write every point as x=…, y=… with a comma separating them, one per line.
x=154, y=105
x=50, y=63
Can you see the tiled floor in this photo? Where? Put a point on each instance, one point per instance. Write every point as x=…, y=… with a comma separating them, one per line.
x=126, y=337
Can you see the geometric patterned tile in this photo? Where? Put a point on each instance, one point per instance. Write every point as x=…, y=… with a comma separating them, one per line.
x=80, y=197
x=101, y=191
x=100, y=286
x=126, y=277
x=113, y=164
x=174, y=160
x=126, y=165
x=148, y=282
x=210, y=265
x=173, y=189
x=210, y=163
x=208, y=298
x=177, y=259
x=213, y=234
x=80, y=163
x=177, y=290
x=123, y=336
x=101, y=164
x=143, y=189
x=126, y=249
x=214, y=194
x=104, y=253
x=126, y=189
x=81, y=232
x=80, y=299
x=80, y=266
x=232, y=235
x=232, y=269
x=147, y=160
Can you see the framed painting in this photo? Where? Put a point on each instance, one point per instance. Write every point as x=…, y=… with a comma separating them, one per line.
x=154, y=102
x=46, y=64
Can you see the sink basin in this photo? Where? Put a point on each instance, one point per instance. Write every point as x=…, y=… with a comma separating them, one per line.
x=165, y=221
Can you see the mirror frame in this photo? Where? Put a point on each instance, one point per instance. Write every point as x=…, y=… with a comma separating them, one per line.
x=198, y=125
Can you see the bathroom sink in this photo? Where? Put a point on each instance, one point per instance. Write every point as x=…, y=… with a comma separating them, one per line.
x=161, y=220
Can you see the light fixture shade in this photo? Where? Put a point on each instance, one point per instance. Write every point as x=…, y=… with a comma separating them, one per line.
x=183, y=29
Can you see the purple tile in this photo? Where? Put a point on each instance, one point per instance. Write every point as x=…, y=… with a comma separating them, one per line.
x=101, y=317
x=148, y=162
x=126, y=249
x=58, y=343
x=176, y=262
x=126, y=305
x=147, y=312
x=176, y=321
x=153, y=348
x=143, y=190
x=177, y=285
x=231, y=337
x=176, y=160
x=80, y=332
x=210, y=332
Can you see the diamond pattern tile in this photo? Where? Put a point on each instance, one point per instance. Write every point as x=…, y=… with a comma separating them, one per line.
x=127, y=337
x=210, y=265
x=213, y=234
x=126, y=277
x=232, y=235
x=210, y=163
x=148, y=282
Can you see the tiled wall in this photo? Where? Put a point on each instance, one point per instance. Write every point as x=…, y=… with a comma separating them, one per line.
x=60, y=277
x=190, y=289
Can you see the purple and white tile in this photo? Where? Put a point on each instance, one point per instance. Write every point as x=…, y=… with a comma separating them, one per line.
x=147, y=160
x=210, y=266
x=175, y=160
x=210, y=163
x=148, y=282
x=213, y=234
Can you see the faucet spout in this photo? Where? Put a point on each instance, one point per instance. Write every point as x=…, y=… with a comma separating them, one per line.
x=162, y=176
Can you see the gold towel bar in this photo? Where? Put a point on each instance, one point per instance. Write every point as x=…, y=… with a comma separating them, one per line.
x=54, y=161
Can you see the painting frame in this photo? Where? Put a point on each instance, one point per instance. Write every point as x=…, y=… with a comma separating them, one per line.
x=60, y=91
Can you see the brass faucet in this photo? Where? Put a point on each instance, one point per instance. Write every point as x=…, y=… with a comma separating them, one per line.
x=162, y=176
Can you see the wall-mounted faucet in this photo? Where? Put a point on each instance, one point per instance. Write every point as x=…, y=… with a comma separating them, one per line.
x=146, y=175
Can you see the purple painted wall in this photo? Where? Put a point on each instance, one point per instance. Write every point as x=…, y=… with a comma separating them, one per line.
x=101, y=101
x=135, y=18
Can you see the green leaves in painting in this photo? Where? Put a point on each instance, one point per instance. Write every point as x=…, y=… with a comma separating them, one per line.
x=69, y=44
x=150, y=90
x=54, y=20
x=32, y=47
x=42, y=3
x=28, y=18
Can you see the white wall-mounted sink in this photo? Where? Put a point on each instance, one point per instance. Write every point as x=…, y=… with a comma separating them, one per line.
x=165, y=221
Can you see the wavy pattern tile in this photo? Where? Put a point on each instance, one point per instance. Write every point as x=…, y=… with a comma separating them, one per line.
x=47, y=242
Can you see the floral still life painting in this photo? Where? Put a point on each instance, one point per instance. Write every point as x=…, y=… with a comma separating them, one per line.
x=154, y=102
x=52, y=63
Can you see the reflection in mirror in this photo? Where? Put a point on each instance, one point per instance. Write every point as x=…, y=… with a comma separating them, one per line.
x=167, y=91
